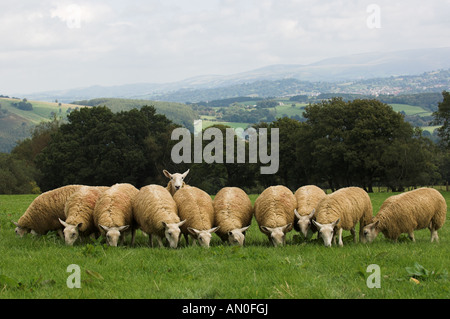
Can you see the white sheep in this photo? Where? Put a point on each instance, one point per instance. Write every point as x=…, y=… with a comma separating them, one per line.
x=79, y=212
x=233, y=214
x=196, y=207
x=43, y=213
x=155, y=213
x=308, y=197
x=340, y=210
x=113, y=212
x=176, y=181
x=274, y=212
x=406, y=212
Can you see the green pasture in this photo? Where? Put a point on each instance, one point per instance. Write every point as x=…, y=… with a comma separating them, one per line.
x=36, y=267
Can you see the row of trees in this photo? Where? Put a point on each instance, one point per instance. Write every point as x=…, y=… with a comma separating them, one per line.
x=342, y=143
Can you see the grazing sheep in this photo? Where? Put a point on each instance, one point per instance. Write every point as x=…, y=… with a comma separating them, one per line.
x=233, y=213
x=196, y=207
x=43, y=213
x=406, y=212
x=308, y=197
x=156, y=214
x=340, y=210
x=79, y=212
x=176, y=181
x=274, y=212
x=113, y=212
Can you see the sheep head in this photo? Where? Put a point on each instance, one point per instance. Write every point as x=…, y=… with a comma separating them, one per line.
x=71, y=232
x=113, y=234
x=277, y=235
x=19, y=230
x=370, y=232
x=176, y=180
x=326, y=231
x=236, y=237
x=172, y=233
x=202, y=236
x=304, y=223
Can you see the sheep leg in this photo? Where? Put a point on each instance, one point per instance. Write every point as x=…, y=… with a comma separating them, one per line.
x=133, y=235
x=150, y=240
x=353, y=232
x=341, y=243
x=434, y=234
x=411, y=236
x=159, y=240
x=61, y=234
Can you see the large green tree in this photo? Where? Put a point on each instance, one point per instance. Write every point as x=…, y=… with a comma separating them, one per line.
x=442, y=117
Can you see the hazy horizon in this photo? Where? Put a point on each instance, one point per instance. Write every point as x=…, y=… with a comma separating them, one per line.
x=56, y=45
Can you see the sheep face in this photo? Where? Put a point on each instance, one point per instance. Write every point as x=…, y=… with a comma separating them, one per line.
x=202, y=236
x=277, y=235
x=236, y=237
x=172, y=233
x=370, y=232
x=176, y=180
x=326, y=231
x=20, y=231
x=304, y=223
x=71, y=232
x=113, y=234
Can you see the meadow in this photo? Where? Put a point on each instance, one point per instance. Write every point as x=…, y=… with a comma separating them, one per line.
x=36, y=267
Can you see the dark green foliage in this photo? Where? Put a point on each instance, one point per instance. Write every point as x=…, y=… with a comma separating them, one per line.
x=99, y=147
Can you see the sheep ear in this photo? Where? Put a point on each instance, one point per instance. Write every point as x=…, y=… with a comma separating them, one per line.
x=296, y=214
x=311, y=215
x=185, y=174
x=167, y=174
x=15, y=223
x=375, y=225
x=181, y=223
x=318, y=225
x=266, y=230
x=63, y=222
x=287, y=228
x=213, y=230
x=164, y=224
x=193, y=231
x=335, y=222
x=122, y=228
x=105, y=228
x=243, y=229
x=79, y=225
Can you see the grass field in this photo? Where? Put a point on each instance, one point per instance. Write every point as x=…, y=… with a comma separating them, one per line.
x=36, y=267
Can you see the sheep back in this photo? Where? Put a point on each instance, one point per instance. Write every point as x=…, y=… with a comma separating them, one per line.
x=114, y=207
x=80, y=206
x=43, y=213
x=153, y=205
x=275, y=206
x=232, y=209
x=350, y=204
x=410, y=211
x=307, y=198
x=196, y=207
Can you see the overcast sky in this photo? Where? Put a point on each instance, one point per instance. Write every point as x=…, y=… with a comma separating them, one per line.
x=47, y=45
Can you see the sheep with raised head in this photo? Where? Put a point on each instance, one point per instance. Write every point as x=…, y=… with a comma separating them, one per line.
x=343, y=209
x=274, y=212
x=79, y=212
x=196, y=207
x=113, y=212
x=43, y=213
x=156, y=214
x=308, y=197
x=176, y=181
x=233, y=214
x=417, y=209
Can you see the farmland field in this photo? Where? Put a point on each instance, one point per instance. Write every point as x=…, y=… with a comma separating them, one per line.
x=36, y=267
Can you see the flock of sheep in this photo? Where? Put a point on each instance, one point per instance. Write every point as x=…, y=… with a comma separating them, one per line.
x=77, y=211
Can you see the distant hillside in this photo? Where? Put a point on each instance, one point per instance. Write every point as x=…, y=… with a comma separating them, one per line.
x=17, y=124
x=320, y=75
x=176, y=112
